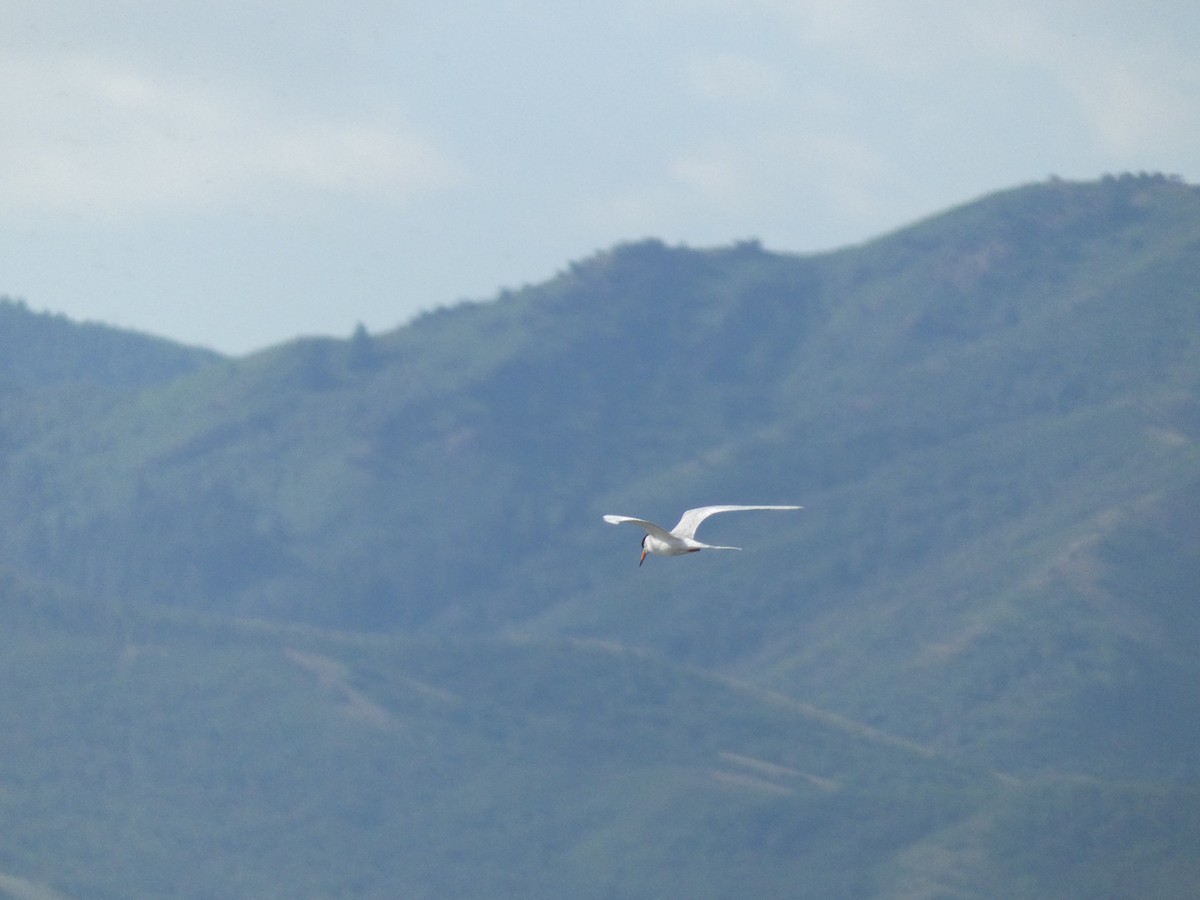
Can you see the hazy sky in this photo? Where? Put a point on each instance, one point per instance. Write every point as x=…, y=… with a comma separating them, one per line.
x=239, y=173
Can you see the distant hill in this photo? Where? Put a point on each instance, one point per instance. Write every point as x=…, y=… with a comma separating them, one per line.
x=45, y=349
x=966, y=668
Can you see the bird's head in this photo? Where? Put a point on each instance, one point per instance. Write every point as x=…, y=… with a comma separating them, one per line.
x=644, y=550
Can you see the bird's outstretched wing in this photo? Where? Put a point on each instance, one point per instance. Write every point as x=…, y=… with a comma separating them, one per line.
x=657, y=530
x=692, y=518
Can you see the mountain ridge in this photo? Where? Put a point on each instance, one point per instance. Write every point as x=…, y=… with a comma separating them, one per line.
x=991, y=418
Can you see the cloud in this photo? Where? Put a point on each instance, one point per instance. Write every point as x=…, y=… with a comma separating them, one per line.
x=94, y=137
x=732, y=77
x=1131, y=83
x=715, y=175
x=1133, y=111
x=766, y=185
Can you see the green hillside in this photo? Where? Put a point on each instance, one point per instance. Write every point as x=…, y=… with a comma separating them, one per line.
x=171, y=758
x=43, y=349
x=343, y=619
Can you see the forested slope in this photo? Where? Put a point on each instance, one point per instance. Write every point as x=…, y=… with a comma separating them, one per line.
x=367, y=580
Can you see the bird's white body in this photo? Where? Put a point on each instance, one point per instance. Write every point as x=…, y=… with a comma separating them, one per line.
x=682, y=538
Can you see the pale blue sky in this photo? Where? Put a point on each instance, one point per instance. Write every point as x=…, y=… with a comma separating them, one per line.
x=236, y=173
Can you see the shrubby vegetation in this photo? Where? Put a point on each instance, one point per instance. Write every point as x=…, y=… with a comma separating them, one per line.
x=341, y=618
x=45, y=349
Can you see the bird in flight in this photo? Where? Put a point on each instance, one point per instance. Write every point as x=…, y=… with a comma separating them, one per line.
x=682, y=538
